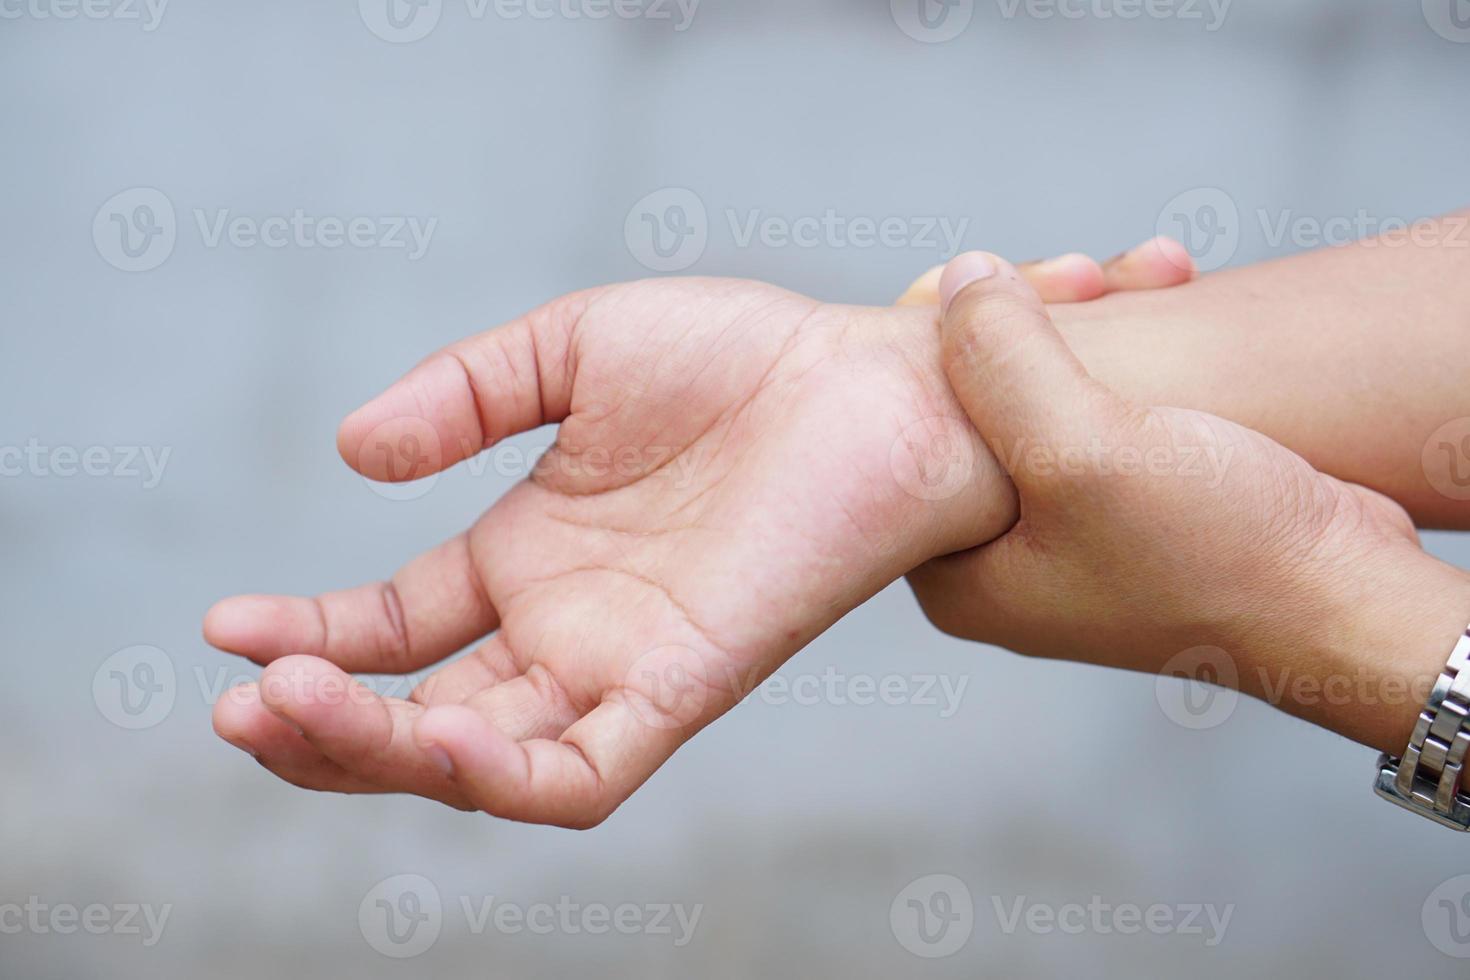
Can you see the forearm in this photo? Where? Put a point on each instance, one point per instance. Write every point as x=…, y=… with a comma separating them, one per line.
x=1354, y=357
x=1362, y=660
x=1307, y=592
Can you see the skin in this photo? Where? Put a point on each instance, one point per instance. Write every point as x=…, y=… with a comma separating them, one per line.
x=1286, y=573
x=1353, y=357
x=629, y=609
x=1073, y=278
x=1350, y=356
x=771, y=447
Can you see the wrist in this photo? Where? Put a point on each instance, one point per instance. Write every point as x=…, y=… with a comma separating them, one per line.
x=1363, y=662
x=953, y=494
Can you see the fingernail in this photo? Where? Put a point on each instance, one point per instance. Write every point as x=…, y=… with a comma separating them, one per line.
x=961, y=271
x=440, y=758
x=1174, y=253
x=1133, y=252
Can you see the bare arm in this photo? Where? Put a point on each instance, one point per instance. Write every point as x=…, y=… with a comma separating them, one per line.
x=1302, y=590
x=1355, y=357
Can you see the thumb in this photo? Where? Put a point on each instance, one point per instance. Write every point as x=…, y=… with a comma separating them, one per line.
x=1014, y=374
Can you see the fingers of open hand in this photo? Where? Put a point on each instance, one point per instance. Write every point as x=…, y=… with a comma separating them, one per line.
x=366, y=735
x=1156, y=264
x=518, y=748
x=468, y=396
x=433, y=606
x=243, y=720
x=574, y=779
x=1075, y=278
x=535, y=750
x=1071, y=278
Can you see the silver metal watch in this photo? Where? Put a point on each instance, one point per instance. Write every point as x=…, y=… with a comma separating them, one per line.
x=1427, y=780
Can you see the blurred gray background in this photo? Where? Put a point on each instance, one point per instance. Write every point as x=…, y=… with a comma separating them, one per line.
x=799, y=829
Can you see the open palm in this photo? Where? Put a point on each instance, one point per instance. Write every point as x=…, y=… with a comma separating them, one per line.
x=736, y=468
